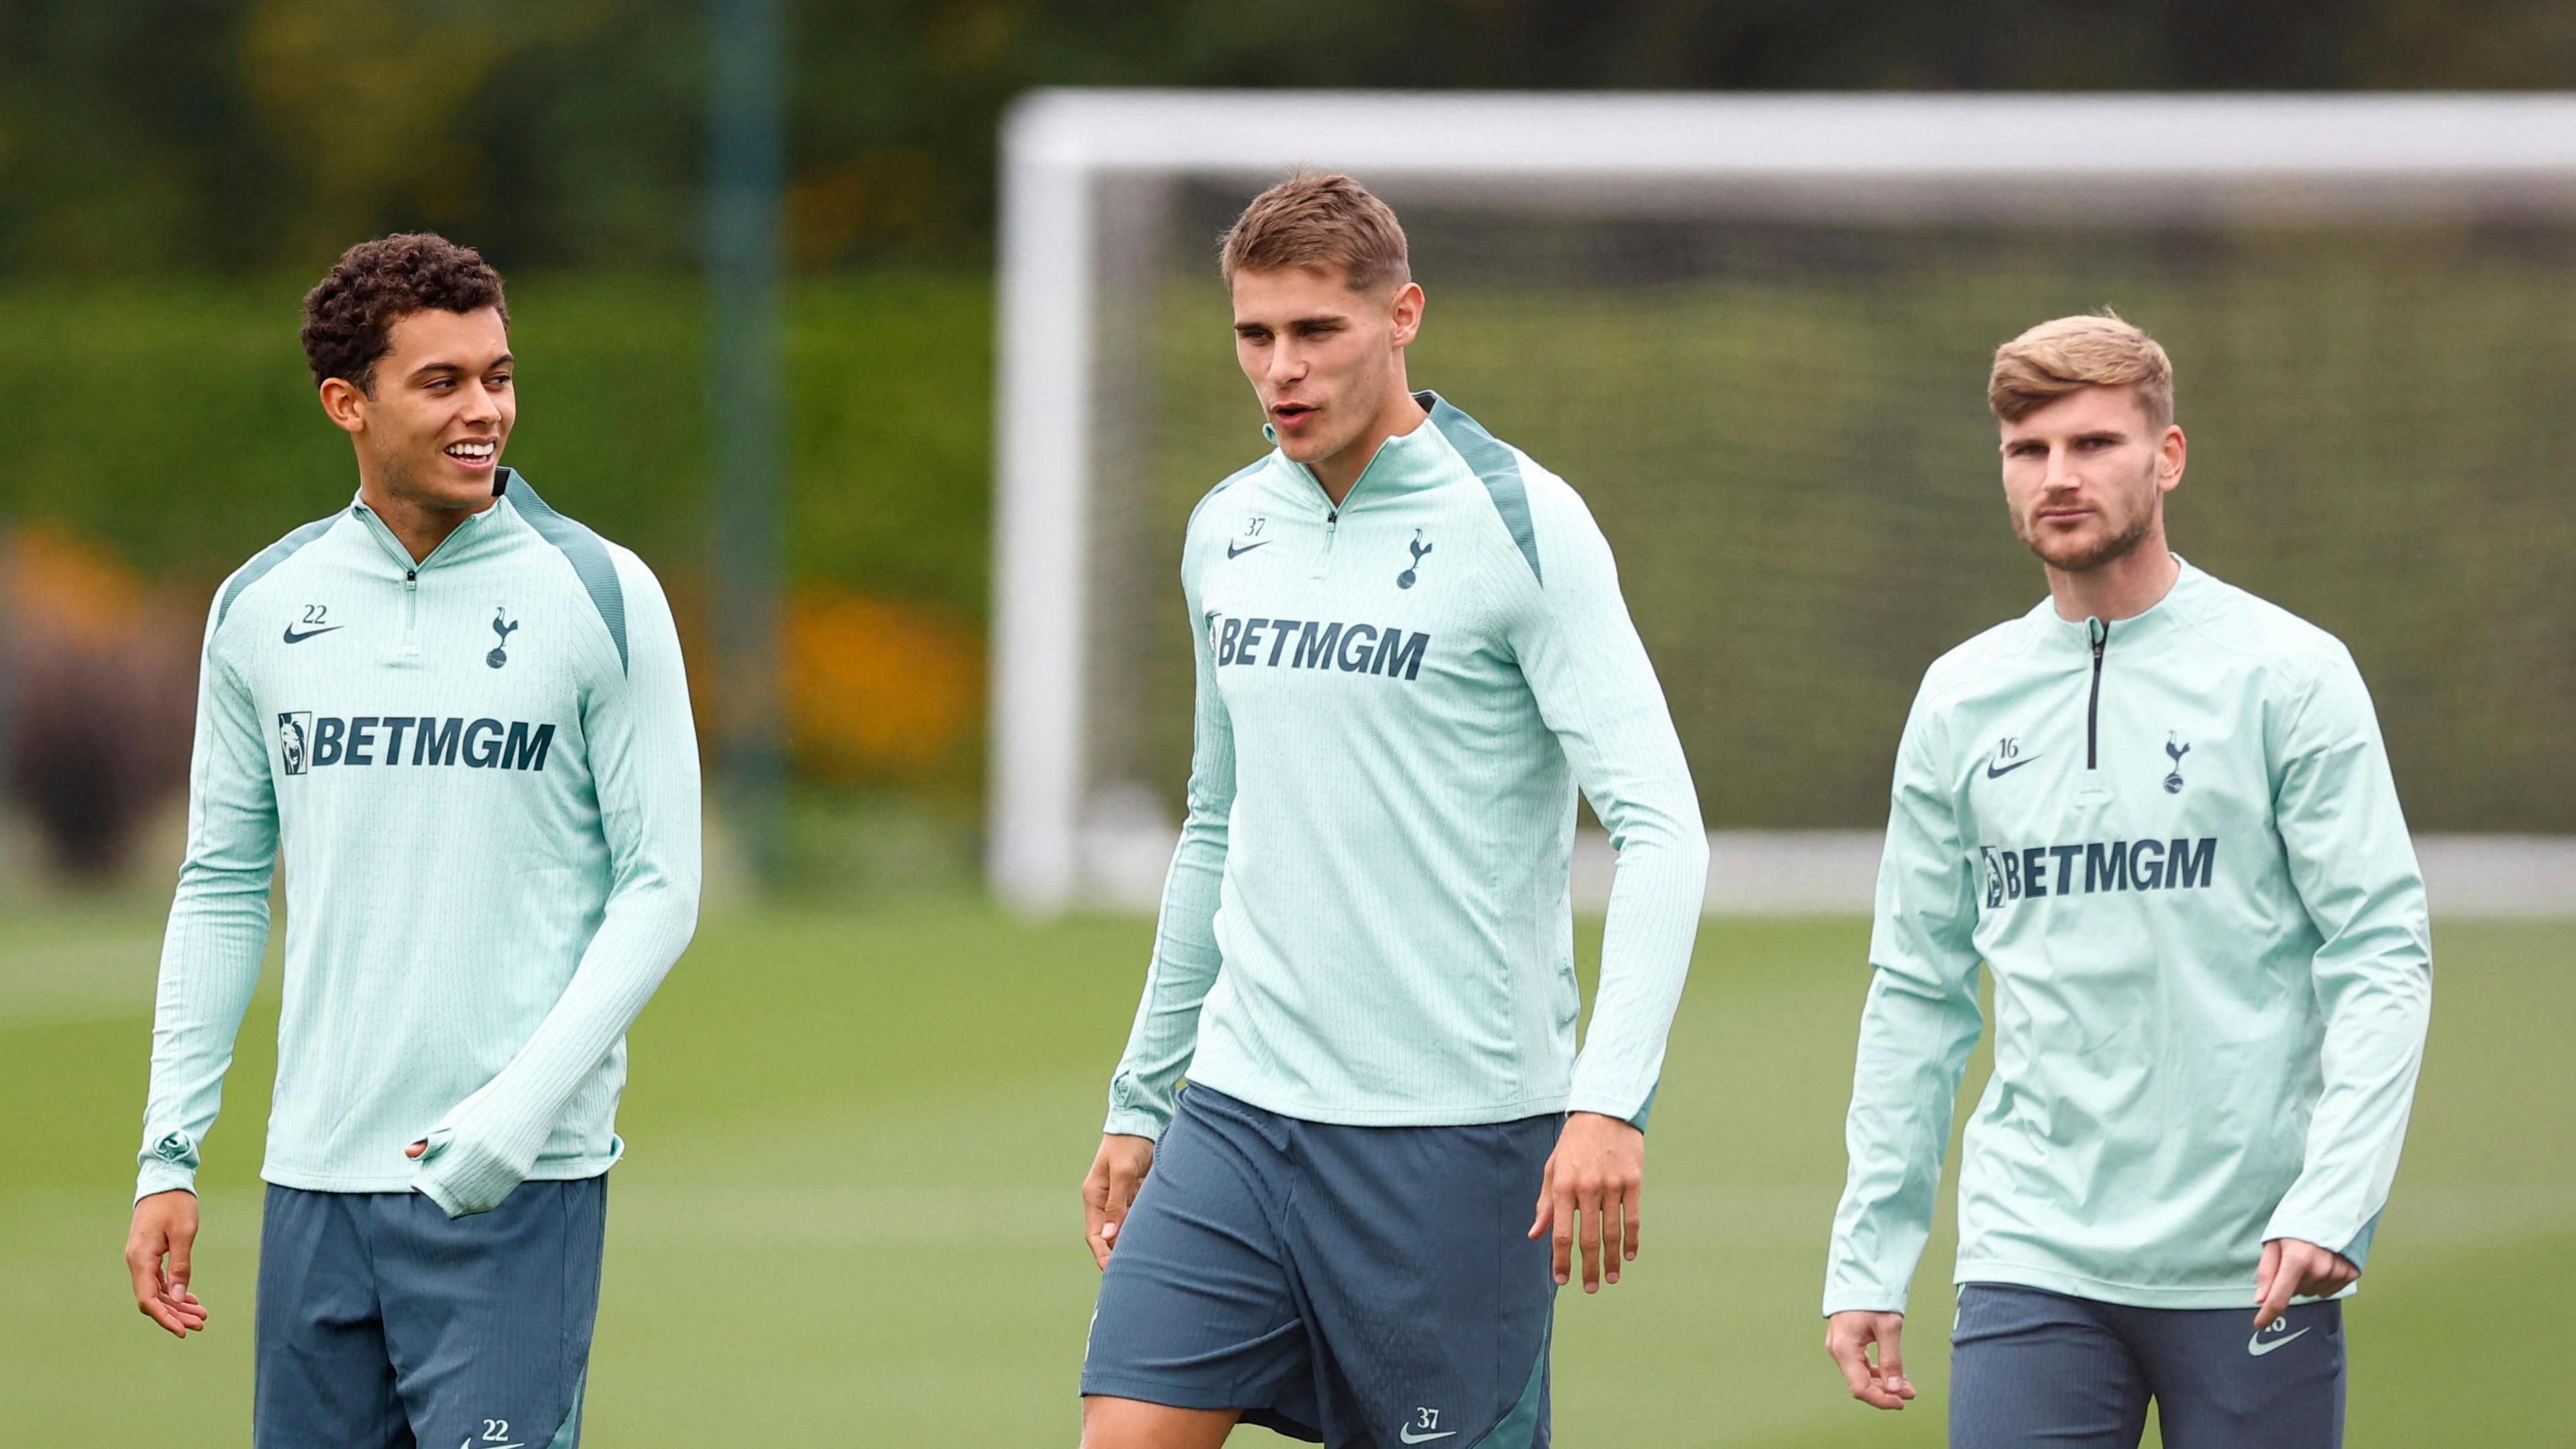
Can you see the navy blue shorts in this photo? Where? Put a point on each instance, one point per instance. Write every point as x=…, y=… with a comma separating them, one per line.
x=2031, y=1368
x=1363, y=1287
x=384, y=1324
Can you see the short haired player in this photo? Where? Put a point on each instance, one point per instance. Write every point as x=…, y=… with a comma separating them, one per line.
x=2158, y=809
x=1411, y=653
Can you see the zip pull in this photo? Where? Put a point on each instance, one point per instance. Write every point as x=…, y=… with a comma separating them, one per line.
x=2099, y=632
x=1324, y=555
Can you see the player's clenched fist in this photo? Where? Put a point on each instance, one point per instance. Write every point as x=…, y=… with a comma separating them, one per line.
x=1109, y=1189
x=165, y=1226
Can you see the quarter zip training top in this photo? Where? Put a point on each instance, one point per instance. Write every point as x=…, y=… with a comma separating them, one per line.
x=2175, y=841
x=1367, y=920
x=485, y=778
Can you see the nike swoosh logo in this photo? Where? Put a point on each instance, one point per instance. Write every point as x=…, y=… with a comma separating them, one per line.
x=294, y=638
x=1232, y=552
x=1408, y=1436
x=2257, y=1347
x=1993, y=773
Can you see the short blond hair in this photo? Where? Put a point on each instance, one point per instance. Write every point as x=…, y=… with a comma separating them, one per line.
x=2069, y=354
x=1317, y=219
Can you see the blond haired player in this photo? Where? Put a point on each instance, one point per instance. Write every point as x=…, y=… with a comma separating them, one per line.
x=2157, y=808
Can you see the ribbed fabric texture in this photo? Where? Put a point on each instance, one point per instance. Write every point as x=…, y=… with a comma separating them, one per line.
x=489, y=815
x=1367, y=919
x=2212, y=958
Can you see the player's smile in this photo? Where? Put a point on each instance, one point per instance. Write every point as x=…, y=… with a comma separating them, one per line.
x=474, y=455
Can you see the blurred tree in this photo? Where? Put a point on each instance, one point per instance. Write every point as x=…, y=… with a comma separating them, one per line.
x=140, y=135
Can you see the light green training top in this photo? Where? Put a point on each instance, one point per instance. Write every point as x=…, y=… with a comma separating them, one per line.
x=2175, y=841
x=485, y=778
x=1367, y=919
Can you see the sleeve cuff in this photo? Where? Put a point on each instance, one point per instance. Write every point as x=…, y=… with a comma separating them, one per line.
x=1135, y=1122
x=1625, y=1109
x=2351, y=1244
x=163, y=1177
x=461, y=1179
x=1857, y=1300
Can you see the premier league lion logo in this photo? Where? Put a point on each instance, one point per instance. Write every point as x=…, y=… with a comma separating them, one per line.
x=294, y=736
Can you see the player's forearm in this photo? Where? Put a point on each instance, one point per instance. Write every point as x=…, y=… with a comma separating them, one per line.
x=218, y=927
x=1655, y=902
x=489, y=1142
x=210, y=962
x=2378, y=1008
x=1184, y=966
x=1597, y=689
x=1914, y=1046
x=2357, y=878
x=1166, y=1031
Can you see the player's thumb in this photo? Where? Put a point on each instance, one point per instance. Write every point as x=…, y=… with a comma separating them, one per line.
x=178, y=1271
x=1546, y=1200
x=2266, y=1279
x=1891, y=1355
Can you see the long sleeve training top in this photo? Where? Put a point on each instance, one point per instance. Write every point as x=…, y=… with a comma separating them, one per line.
x=484, y=776
x=2175, y=841
x=1367, y=920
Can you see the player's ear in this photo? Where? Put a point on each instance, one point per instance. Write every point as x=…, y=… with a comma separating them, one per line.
x=2172, y=451
x=1405, y=310
x=344, y=404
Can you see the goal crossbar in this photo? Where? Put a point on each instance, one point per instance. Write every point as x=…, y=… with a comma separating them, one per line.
x=2072, y=157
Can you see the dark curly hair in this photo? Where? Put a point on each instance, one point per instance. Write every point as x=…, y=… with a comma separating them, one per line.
x=349, y=316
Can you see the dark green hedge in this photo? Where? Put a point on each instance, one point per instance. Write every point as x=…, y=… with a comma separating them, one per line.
x=174, y=422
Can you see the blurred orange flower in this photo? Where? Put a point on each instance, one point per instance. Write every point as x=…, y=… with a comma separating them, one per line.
x=65, y=588
x=877, y=689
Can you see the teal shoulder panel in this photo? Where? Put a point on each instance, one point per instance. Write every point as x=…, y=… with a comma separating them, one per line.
x=1228, y=481
x=1496, y=468
x=589, y=556
x=269, y=558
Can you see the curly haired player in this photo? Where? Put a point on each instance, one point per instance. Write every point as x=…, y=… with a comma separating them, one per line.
x=462, y=717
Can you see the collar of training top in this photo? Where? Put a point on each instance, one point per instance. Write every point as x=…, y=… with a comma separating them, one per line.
x=1406, y=462
x=470, y=536
x=2164, y=618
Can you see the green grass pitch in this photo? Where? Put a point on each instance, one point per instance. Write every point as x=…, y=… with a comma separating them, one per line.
x=848, y=1211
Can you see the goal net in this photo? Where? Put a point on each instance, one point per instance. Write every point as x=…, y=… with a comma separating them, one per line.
x=1753, y=333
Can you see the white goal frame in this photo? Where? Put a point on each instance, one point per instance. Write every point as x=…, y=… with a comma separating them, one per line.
x=1813, y=155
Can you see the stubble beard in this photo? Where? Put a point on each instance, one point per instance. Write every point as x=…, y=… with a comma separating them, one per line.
x=2110, y=549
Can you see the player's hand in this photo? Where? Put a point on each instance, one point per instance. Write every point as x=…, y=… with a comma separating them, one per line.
x=2293, y=1268
x=1848, y=1335
x=165, y=1225
x=1595, y=1183
x=1109, y=1189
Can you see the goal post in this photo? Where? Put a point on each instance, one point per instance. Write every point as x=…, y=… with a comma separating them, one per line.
x=1104, y=196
